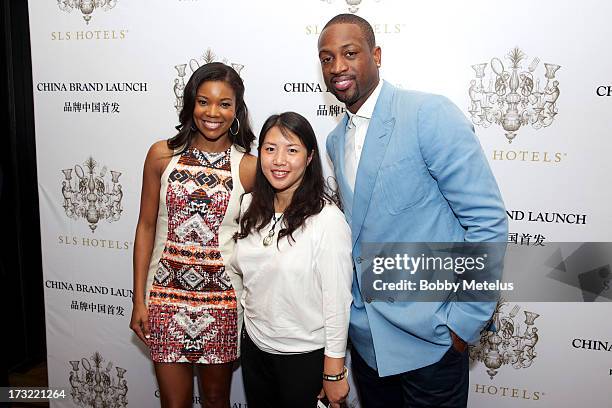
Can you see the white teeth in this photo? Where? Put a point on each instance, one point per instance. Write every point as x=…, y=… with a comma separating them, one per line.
x=212, y=125
x=343, y=85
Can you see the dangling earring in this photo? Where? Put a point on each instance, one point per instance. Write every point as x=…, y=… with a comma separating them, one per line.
x=193, y=128
x=238, y=129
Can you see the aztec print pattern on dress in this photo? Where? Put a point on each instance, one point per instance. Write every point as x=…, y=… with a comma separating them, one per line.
x=192, y=305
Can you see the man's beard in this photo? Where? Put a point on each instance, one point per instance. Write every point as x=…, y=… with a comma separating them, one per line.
x=348, y=100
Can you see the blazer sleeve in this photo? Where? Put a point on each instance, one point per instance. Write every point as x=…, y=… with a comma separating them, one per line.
x=456, y=161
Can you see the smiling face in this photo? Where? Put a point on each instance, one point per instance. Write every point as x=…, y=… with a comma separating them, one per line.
x=350, y=67
x=214, y=110
x=284, y=159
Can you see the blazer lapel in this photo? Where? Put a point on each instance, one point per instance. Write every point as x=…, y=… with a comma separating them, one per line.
x=376, y=142
x=346, y=193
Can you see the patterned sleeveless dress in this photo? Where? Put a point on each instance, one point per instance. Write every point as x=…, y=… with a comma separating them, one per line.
x=194, y=314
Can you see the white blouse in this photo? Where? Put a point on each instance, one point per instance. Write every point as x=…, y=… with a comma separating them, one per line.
x=297, y=296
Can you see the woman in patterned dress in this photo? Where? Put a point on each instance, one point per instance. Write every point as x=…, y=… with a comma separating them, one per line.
x=185, y=300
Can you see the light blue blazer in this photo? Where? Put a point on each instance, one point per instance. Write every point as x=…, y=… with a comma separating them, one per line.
x=422, y=177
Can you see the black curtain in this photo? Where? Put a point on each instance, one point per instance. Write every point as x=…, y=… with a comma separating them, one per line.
x=20, y=264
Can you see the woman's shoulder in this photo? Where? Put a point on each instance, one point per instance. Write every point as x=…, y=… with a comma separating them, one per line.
x=160, y=150
x=331, y=214
x=249, y=158
x=331, y=226
x=245, y=201
x=158, y=157
x=248, y=169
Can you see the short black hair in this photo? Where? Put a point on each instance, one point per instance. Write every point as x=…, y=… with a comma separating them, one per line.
x=363, y=24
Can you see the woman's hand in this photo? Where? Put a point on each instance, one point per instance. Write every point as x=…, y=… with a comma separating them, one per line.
x=140, y=322
x=335, y=391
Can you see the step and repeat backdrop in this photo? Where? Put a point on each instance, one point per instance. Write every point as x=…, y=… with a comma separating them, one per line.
x=108, y=81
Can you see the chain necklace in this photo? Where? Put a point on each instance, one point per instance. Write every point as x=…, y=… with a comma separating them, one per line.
x=268, y=238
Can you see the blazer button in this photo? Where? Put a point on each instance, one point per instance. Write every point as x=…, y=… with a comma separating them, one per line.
x=368, y=299
x=359, y=259
x=390, y=300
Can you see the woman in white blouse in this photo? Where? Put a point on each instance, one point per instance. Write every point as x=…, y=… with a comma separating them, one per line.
x=294, y=254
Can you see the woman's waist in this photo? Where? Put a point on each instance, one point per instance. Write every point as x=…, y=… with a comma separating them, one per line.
x=284, y=340
x=165, y=294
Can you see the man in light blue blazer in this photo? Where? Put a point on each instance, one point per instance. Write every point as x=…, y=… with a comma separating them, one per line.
x=409, y=169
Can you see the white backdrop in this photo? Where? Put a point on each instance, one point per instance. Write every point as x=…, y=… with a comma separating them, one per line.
x=105, y=86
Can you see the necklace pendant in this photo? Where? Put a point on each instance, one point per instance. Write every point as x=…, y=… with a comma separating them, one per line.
x=267, y=240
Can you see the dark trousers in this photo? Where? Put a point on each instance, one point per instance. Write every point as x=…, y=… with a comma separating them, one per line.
x=443, y=384
x=280, y=380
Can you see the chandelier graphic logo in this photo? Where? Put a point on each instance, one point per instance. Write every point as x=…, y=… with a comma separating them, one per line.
x=86, y=7
x=97, y=386
x=510, y=343
x=92, y=196
x=179, y=82
x=512, y=97
x=353, y=5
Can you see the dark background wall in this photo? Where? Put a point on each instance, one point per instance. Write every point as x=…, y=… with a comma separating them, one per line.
x=22, y=303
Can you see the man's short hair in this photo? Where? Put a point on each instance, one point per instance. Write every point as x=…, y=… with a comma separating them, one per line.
x=364, y=26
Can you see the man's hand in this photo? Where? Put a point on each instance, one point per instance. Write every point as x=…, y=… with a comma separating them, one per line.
x=458, y=343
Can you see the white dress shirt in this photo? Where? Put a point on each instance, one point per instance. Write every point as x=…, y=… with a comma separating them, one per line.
x=356, y=130
x=297, y=296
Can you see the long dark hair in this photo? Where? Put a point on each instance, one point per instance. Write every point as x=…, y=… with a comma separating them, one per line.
x=308, y=199
x=214, y=71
